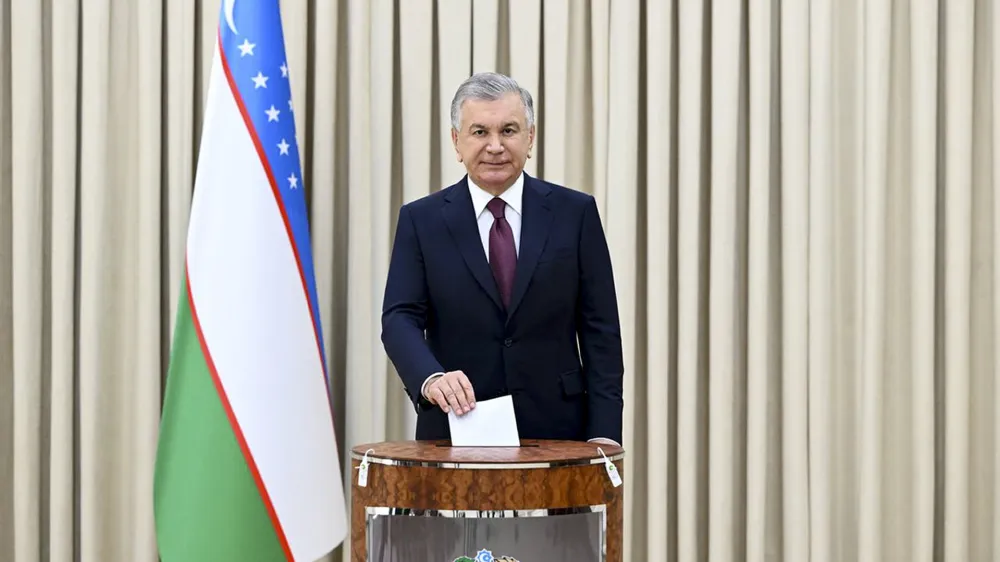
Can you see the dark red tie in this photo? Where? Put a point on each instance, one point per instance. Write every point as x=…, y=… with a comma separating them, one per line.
x=503, y=255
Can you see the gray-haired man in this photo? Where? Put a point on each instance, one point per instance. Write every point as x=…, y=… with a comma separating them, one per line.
x=494, y=280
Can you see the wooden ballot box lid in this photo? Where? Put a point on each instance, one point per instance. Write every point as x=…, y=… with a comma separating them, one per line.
x=533, y=453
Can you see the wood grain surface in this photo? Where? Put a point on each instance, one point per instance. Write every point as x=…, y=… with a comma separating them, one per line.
x=530, y=451
x=515, y=488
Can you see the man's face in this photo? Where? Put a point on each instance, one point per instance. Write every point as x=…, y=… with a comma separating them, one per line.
x=494, y=142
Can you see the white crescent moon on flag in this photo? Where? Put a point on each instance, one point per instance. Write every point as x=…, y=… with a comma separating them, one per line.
x=228, y=6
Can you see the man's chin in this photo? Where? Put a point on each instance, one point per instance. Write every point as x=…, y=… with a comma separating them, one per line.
x=495, y=179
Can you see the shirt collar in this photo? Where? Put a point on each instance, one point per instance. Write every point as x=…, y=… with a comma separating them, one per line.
x=481, y=197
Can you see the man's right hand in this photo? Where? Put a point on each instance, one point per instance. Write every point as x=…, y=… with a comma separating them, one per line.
x=452, y=391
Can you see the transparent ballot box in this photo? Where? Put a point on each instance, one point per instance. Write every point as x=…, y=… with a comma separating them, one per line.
x=538, y=535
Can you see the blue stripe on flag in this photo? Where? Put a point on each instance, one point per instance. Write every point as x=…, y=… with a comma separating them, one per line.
x=255, y=54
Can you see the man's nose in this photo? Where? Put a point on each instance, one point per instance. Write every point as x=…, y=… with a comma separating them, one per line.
x=495, y=144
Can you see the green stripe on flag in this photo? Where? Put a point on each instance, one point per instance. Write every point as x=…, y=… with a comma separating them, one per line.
x=207, y=505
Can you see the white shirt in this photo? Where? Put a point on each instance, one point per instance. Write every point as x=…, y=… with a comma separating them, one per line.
x=513, y=195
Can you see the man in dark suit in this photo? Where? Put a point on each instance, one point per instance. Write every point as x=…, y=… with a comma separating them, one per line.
x=495, y=279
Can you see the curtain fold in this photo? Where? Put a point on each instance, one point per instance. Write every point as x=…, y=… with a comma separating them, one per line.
x=692, y=345
x=6, y=298
x=958, y=75
x=27, y=264
x=994, y=58
x=726, y=306
x=801, y=201
x=795, y=132
x=657, y=435
x=924, y=48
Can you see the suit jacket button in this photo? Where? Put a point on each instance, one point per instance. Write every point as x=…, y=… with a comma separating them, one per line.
x=508, y=342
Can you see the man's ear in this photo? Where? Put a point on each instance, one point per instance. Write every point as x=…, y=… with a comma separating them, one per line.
x=454, y=143
x=531, y=140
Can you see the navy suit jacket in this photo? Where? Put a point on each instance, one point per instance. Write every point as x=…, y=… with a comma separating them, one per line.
x=442, y=312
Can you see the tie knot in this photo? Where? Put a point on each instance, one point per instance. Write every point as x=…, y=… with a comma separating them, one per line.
x=496, y=206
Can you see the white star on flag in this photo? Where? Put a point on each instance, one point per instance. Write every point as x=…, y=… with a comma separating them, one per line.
x=284, y=70
x=283, y=147
x=259, y=81
x=272, y=114
x=247, y=48
x=293, y=181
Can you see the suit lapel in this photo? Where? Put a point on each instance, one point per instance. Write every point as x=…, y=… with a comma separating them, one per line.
x=460, y=218
x=535, y=222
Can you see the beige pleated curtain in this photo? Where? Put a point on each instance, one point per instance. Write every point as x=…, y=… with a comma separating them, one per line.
x=801, y=199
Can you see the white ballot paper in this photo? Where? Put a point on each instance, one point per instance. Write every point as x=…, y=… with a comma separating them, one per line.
x=490, y=424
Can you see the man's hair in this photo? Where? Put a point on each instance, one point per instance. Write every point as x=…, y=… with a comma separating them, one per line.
x=489, y=86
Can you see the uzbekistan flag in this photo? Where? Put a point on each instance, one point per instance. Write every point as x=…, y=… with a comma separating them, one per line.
x=247, y=462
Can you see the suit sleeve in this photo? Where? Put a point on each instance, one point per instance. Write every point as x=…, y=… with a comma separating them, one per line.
x=599, y=330
x=404, y=312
